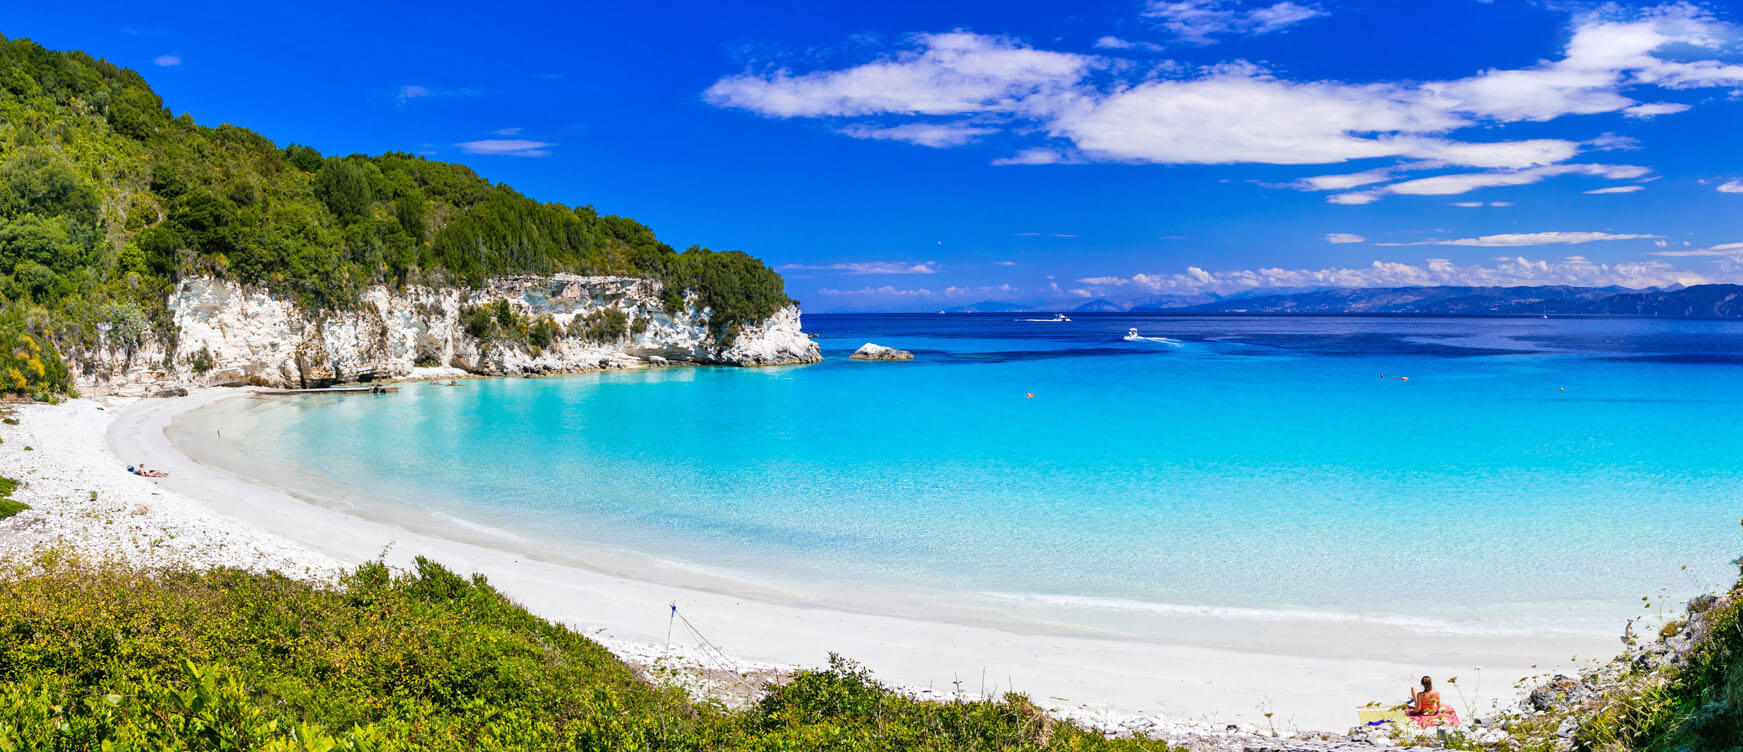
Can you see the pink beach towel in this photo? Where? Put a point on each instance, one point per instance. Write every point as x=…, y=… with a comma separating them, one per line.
x=1446, y=717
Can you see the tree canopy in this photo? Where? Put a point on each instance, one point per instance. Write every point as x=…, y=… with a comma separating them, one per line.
x=107, y=199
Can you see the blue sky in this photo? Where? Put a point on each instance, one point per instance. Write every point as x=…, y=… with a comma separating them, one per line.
x=914, y=156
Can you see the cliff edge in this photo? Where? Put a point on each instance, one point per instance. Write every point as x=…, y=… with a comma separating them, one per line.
x=227, y=333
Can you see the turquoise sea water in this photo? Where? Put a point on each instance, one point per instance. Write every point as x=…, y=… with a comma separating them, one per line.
x=1529, y=474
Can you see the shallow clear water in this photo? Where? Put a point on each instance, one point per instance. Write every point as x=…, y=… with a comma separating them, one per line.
x=1529, y=474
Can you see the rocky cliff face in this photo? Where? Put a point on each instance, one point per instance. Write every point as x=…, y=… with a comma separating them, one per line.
x=232, y=334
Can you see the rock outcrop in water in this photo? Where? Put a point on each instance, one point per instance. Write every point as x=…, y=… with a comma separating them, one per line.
x=231, y=334
x=869, y=351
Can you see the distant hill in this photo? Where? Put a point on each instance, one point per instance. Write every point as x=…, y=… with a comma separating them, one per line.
x=991, y=306
x=1099, y=305
x=1172, y=302
x=1701, y=300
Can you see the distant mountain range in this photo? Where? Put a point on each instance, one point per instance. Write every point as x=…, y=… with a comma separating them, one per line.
x=1722, y=301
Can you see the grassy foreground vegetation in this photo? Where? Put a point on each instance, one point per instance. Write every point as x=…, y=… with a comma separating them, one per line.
x=103, y=658
x=107, y=200
x=8, y=505
x=1691, y=704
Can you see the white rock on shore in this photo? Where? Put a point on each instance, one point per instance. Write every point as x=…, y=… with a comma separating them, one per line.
x=231, y=334
x=869, y=351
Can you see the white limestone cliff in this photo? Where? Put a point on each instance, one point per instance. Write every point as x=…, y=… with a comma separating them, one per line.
x=227, y=333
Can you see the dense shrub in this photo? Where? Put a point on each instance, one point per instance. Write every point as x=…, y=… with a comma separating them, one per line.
x=29, y=364
x=8, y=505
x=106, y=658
x=603, y=325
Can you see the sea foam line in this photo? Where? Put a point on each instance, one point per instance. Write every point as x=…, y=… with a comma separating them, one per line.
x=1413, y=623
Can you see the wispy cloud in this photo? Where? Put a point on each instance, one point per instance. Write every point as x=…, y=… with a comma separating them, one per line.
x=1343, y=238
x=507, y=131
x=411, y=92
x=1654, y=109
x=1116, y=43
x=1004, y=263
x=1044, y=235
x=1036, y=156
x=891, y=291
x=1352, y=199
x=167, y=61
x=1504, y=272
x=1722, y=249
x=935, y=135
x=1516, y=239
x=1465, y=182
x=1475, y=204
x=1731, y=186
x=1616, y=189
x=867, y=267
x=1200, y=21
x=506, y=147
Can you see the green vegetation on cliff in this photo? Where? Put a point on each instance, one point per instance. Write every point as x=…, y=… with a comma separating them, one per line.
x=95, y=658
x=106, y=200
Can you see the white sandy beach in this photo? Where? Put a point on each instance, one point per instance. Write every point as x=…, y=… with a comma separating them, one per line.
x=1185, y=689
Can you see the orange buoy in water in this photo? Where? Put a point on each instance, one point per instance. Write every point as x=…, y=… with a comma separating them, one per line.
x=1030, y=395
x=1403, y=378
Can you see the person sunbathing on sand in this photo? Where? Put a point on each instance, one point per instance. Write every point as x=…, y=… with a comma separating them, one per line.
x=148, y=473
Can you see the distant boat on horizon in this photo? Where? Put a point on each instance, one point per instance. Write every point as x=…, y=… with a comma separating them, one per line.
x=1057, y=319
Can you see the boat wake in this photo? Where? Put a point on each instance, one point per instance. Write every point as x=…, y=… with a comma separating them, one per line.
x=1132, y=335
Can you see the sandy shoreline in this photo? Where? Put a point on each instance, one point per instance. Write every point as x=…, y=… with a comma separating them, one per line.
x=211, y=517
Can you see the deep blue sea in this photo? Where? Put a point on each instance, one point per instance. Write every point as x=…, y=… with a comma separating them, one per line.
x=1451, y=473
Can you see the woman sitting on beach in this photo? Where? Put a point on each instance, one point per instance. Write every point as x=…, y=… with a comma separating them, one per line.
x=1426, y=709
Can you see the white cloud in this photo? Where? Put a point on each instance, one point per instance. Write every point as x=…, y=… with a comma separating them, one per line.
x=167, y=61
x=1078, y=107
x=1352, y=199
x=935, y=135
x=1731, y=186
x=947, y=74
x=1340, y=238
x=1516, y=239
x=918, y=293
x=410, y=92
x=1616, y=189
x=1004, y=263
x=1722, y=249
x=1644, y=111
x=506, y=147
x=1116, y=43
x=1198, y=21
x=1343, y=182
x=1032, y=157
x=1505, y=272
x=888, y=291
x=1449, y=185
x=1611, y=50
x=868, y=267
x=1468, y=204
x=1500, y=203
x=507, y=131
